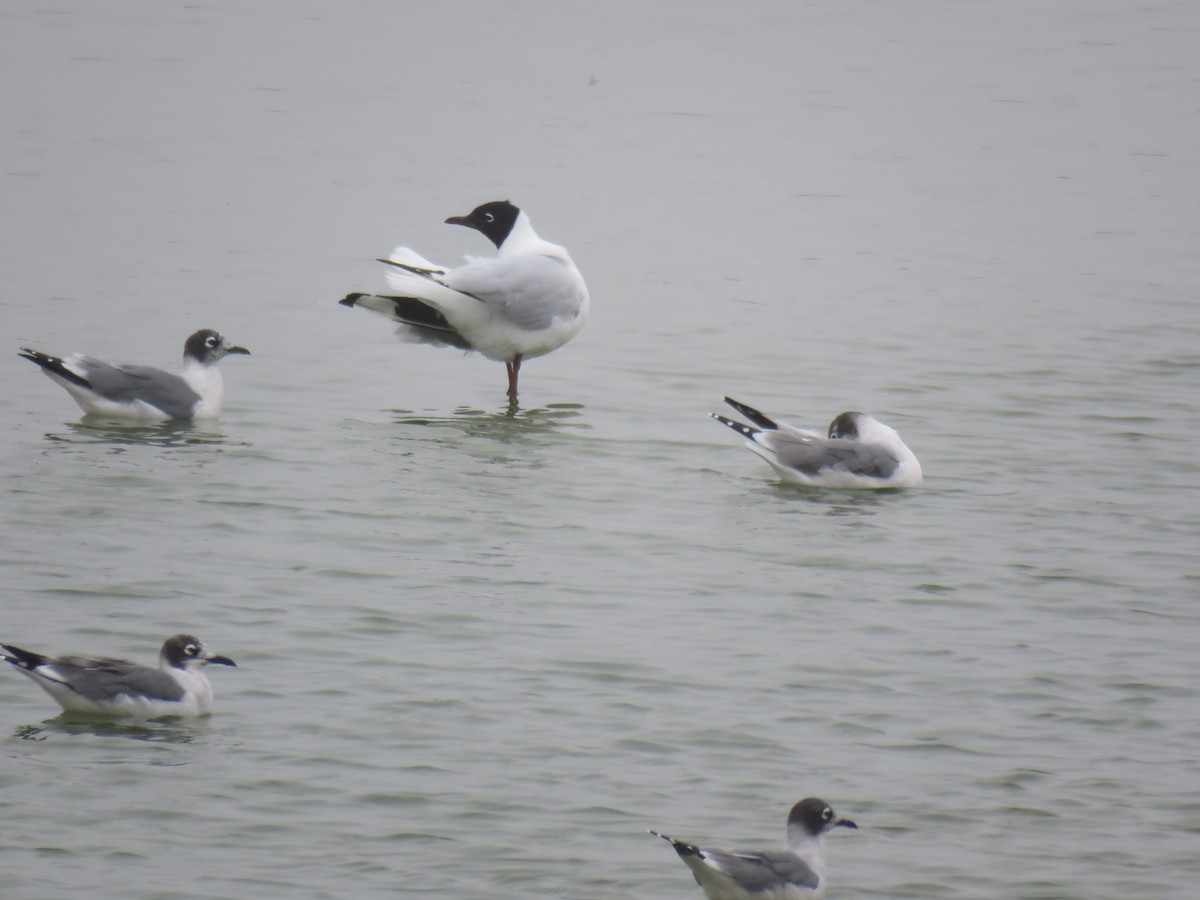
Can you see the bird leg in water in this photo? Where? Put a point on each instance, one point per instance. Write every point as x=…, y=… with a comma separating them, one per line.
x=514, y=370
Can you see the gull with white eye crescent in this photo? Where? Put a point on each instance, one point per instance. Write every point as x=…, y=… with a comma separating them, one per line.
x=526, y=301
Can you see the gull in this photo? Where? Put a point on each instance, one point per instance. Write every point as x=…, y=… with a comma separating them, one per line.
x=524, y=302
x=117, y=687
x=143, y=392
x=858, y=452
x=797, y=873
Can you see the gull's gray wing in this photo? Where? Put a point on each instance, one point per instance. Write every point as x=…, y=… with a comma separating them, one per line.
x=104, y=680
x=126, y=384
x=530, y=290
x=813, y=455
x=770, y=870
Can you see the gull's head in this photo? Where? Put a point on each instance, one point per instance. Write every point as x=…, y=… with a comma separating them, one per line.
x=846, y=426
x=186, y=651
x=856, y=426
x=209, y=347
x=813, y=817
x=495, y=220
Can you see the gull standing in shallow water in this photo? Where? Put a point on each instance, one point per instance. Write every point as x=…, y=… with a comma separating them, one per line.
x=117, y=687
x=143, y=392
x=859, y=451
x=797, y=873
x=524, y=302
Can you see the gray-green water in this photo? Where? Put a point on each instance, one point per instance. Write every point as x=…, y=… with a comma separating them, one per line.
x=480, y=656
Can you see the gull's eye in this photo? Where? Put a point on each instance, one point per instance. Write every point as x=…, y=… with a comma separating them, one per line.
x=211, y=341
x=488, y=217
x=827, y=814
x=191, y=649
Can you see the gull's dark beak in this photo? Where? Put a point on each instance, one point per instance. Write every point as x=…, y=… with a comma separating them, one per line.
x=221, y=661
x=241, y=350
x=459, y=220
x=843, y=823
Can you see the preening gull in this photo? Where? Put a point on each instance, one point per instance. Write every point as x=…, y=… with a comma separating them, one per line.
x=524, y=302
x=858, y=451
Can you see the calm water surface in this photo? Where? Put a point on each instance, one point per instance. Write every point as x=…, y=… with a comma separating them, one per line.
x=479, y=656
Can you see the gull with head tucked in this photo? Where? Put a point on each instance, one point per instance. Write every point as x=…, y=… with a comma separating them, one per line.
x=859, y=451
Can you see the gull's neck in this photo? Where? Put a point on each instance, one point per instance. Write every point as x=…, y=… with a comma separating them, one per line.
x=523, y=239
x=808, y=848
x=207, y=382
x=192, y=679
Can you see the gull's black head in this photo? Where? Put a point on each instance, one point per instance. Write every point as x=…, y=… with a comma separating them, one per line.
x=495, y=220
x=208, y=347
x=184, y=649
x=815, y=817
x=845, y=426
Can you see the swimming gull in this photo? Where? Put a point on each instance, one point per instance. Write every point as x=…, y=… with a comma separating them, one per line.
x=796, y=873
x=858, y=452
x=143, y=392
x=117, y=687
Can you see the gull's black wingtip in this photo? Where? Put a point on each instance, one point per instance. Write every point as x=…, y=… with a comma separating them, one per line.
x=22, y=659
x=37, y=356
x=683, y=848
x=351, y=300
x=764, y=422
x=55, y=366
x=744, y=430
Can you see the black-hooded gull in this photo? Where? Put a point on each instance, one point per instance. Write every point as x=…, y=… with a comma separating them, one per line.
x=143, y=392
x=858, y=451
x=526, y=301
x=118, y=687
x=794, y=873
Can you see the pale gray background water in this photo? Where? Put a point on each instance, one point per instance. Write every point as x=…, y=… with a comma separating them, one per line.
x=480, y=657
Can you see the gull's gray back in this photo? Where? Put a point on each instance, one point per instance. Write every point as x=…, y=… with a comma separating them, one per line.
x=812, y=456
x=103, y=680
x=126, y=384
x=772, y=870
